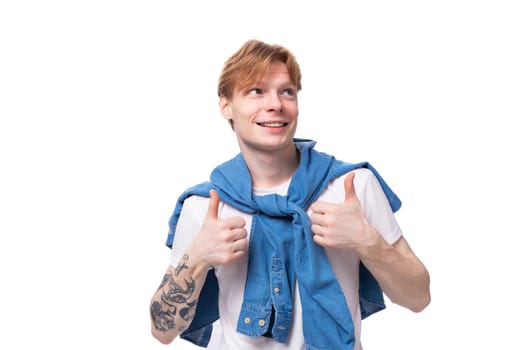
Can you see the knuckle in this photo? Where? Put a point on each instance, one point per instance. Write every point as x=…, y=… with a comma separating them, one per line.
x=330, y=221
x=244, y=244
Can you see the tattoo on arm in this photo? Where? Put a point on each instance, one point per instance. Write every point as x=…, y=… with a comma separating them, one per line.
x=182, y=265
x=174, y=299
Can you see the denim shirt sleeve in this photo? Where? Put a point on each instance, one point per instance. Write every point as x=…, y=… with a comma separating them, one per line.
x=207, y=312
x=371, y=298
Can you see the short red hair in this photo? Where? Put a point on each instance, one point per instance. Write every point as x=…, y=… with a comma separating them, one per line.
x=251, y=62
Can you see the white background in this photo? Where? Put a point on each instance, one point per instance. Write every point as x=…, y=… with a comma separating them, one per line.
x=109, y=110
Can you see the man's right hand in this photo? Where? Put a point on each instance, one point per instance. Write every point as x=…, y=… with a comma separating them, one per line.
x=220, y=241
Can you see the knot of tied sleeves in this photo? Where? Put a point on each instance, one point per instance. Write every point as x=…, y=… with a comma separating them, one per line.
x=282, y=253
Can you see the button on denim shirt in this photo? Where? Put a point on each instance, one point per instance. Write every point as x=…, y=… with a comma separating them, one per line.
x=281, y=253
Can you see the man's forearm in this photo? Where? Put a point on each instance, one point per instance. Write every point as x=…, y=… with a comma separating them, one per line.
x=402, y=276
x=173, y=306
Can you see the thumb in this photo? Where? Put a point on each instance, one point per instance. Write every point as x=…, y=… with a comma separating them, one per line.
x=213, y=208
x=349, y=187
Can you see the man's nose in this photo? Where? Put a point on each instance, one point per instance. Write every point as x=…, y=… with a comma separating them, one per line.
x=273, y=102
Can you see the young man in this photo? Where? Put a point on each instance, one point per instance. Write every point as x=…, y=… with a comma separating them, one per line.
x=287, y=246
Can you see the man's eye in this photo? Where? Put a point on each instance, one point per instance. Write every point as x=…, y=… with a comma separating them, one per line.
x=289, y=92
x=254, y=91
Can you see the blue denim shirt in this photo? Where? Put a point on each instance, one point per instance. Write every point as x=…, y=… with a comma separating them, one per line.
x=281, y=225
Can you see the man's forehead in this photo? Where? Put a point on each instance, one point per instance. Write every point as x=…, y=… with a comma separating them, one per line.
x=278, y=67
x=276, y=70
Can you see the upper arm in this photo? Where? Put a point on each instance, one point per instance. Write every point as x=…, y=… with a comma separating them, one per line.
x=375, y=205
x=188, y=225
x=402, y=246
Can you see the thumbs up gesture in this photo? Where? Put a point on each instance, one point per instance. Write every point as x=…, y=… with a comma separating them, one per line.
x=341, y=225
x=219, y=241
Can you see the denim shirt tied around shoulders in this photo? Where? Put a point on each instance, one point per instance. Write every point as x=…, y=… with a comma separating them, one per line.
x=281, y=253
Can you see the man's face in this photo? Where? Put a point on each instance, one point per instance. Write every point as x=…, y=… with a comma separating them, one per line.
x=264, y=114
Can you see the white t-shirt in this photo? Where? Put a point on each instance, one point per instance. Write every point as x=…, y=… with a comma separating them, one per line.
x=231, y=277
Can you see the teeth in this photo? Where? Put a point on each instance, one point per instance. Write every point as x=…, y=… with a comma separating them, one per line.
x=273, y=125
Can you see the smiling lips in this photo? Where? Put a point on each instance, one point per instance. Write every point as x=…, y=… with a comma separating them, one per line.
x=273, y=124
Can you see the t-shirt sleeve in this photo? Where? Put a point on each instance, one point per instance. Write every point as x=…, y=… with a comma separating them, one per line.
x=189, y=223
x=375, y=205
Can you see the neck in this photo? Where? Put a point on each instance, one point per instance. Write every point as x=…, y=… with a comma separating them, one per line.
x=269, y=170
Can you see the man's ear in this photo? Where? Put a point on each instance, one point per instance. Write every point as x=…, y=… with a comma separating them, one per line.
x=225, y=107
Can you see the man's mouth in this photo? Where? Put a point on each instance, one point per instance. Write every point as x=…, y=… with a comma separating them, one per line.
x=273, y=124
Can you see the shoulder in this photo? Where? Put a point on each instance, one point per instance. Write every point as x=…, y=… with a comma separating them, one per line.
x=364, y=178
x=196, y=206
x=335, y=190
x=196, y=200
x=366, y=184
